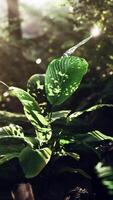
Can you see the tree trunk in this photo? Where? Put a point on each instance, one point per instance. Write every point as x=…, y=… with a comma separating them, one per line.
x=14, y=19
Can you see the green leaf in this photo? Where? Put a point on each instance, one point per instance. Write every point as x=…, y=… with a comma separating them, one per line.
x=35, y=86
x=9, y=117
x=12, y=141
x=64, y=141
x=100, y=136
x=63, y=77
x=73, y=155
x=33, y=161
x=7, y=157
x=13, y=133
x=58, y=115
x=105, y=172
x=32, y=112
x=77, y=114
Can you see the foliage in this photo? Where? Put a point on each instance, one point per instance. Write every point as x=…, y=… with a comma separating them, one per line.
x=35, y=165
x=55, y=129
x=105, y=172
x=63, y=77
x=39, y=147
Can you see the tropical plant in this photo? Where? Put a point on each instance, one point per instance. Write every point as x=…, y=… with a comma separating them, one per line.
x=54, y=129
x=62, y=78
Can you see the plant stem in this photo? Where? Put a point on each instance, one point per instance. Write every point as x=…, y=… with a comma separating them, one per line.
x=72, y=49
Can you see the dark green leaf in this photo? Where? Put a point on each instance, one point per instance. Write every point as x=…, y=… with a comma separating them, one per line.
x=73, y=155
x=105, y=172
x=8, y=156
x=12, y=141
x=100, y=136
x=63, y=77
x=35, y=86
x=33, y=161
x=77, y=114
x=9, y=117
x=58, y=115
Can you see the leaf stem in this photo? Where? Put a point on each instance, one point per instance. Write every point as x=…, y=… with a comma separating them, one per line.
x=4, y=84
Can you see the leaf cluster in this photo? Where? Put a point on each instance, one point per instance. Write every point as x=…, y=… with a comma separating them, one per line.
x=54, y=128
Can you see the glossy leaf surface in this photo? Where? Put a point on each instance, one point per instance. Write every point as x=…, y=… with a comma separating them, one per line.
x=63, y=77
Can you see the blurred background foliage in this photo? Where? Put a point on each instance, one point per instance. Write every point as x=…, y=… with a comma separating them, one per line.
x=32, y=33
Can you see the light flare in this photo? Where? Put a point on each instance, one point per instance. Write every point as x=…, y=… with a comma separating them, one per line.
x=95, y=31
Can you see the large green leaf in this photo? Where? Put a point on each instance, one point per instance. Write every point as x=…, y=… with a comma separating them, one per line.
x=33, y=161
x=71, y=118
x=63, y=77
x=32, y=112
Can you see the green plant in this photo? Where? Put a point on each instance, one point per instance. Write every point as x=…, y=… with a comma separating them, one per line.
x=62, y=78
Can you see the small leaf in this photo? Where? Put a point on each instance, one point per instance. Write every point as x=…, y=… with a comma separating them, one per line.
x=33, y=161
x=73, y=155
x=63, y=77
x=35, y=86
x=64, y=141
x=32, y=112
x=58, y=115
x=100, y=136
